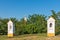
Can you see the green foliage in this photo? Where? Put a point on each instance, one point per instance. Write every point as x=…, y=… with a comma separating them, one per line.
x=56, y=16
x=35, y=24
x=3, y=26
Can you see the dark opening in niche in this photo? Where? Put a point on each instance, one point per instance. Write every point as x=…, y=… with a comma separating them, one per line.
x=50, y=24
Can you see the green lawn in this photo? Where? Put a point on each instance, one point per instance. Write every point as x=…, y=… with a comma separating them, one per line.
x=30, y=37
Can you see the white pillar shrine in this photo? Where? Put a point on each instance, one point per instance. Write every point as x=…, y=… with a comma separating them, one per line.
x=51, y=27
x=25, y=19
x=10, y=28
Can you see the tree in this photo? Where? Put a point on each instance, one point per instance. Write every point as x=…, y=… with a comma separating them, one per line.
x=58, y=23
x=56, y=16
x=3, y=26
x=39, y=21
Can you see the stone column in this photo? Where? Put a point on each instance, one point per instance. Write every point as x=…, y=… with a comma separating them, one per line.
x=51, y=27
x=10, y=28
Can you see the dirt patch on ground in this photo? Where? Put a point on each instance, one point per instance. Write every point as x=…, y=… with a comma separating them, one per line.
x=35, y=38
x=30, y=37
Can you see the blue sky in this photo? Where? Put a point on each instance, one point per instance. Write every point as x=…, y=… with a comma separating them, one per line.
x=21, y=8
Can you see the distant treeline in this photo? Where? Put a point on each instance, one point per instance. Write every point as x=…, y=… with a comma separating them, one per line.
x=35, y=24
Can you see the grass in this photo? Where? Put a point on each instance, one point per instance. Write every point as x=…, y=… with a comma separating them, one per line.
x=30, y=37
